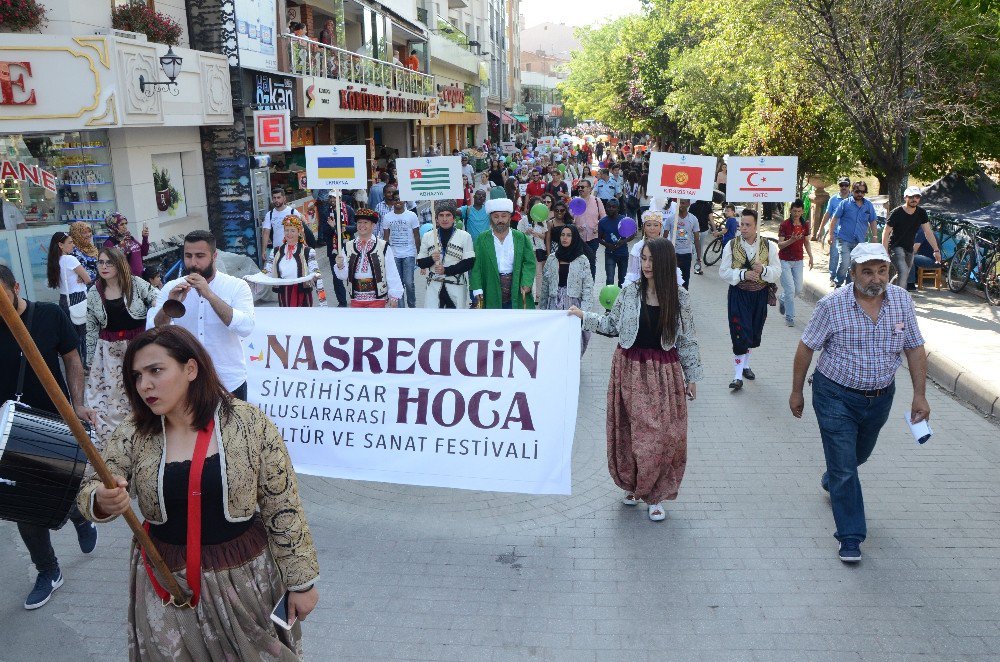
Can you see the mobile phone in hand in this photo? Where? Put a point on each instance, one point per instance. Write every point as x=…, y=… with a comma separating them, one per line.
x=280, y=613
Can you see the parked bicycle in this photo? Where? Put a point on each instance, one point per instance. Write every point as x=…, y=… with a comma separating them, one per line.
x=713, y=251
x=975, y=259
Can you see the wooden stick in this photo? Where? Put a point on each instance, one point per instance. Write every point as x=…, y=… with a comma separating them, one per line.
x=65, y=409
x=340, y=239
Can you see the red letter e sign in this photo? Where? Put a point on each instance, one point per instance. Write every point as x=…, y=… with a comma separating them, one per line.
x=272, y=130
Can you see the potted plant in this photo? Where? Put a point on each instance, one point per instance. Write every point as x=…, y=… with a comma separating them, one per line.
x=137, y=16
x=21, y=15
x=161, y=184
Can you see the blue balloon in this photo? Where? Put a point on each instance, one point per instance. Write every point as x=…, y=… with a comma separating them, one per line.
x=425, y=228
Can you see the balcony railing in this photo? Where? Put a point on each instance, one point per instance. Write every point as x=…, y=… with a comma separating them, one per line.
x=452, y=33
x=307, y=57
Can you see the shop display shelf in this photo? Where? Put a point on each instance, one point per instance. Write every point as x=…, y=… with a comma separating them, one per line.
x=88, y=165
x=85, y=202
x=73, y=149
x=83, y=184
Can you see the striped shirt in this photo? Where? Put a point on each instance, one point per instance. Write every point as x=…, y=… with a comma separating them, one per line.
x=859, y=353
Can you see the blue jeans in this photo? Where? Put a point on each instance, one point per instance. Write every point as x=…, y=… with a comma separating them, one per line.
x=791, y=285
x=610, y=263
x=38, y=540
x=844, y=247
x=406, y=266
x=919, y=262
x=849, y=424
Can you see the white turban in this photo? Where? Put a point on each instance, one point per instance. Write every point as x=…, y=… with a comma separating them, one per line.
x=499, y=204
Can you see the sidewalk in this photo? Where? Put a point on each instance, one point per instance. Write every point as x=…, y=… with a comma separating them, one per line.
x=962, y=333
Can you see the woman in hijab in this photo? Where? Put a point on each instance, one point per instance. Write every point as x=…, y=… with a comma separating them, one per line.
x=566, y=279
x=119, y=237
x=560, y=217
x=84, y=250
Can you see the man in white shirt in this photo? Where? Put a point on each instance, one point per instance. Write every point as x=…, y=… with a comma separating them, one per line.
x=505, y=265
x=390, y=196
x=682, y=231
x=273, y=226
x=218, y=310
x=401, y=229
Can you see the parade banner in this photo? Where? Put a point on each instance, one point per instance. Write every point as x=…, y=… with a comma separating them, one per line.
x=761, y=178
x=430, y=178
x=447, y=398
x=336, y=166
x=681, y=176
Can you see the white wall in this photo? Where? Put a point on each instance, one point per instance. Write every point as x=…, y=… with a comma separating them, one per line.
x=397, y=135
x=132, y=153
x=78, y=17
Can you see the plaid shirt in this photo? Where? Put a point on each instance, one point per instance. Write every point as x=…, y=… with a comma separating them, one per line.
x=856, y=352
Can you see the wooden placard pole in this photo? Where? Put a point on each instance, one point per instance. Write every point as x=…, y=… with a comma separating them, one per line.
x=65, y=409
x=336, y=203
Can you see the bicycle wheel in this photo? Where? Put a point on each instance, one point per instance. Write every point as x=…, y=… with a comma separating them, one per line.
x=991, y=281
x=713, y=252
x=960, y=268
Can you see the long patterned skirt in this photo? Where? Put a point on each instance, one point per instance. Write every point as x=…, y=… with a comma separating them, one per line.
x=647, y=423
x=240, y=585
x=294, y=296
x=105, y=390
x=562, y=302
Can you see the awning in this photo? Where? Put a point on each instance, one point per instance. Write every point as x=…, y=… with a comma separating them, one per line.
x=507, y=119
x=523, y=119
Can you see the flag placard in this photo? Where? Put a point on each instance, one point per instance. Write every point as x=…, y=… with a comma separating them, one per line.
x=430, y=178
x=681, y=176
x=336, y=167
x=762, y=178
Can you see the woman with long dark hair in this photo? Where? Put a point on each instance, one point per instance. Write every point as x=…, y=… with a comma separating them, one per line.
x=238, y=544
x=566, y=279
x=653, y=374
x=116, y=313
x=66, y=274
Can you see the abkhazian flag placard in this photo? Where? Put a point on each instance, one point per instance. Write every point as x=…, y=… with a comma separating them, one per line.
x=336, y=167
x=430, y=178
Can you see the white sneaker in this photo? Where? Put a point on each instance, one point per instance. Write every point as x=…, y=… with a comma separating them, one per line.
x=656, y=512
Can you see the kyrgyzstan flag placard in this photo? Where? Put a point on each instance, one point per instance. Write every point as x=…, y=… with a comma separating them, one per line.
x=688, y=176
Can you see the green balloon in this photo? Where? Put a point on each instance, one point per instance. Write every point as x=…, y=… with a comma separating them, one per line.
x=562, y=168
x=608, y=295
x=460, y=225
x=497, y=192
x=539, y=213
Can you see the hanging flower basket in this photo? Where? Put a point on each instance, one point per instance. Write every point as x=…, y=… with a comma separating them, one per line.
x=21, y=15
x=137, y=16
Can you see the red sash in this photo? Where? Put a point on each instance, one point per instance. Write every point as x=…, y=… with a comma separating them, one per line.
x=193, y=525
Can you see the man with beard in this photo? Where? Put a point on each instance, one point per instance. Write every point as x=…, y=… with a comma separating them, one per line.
x=447, y=253
x=504, y=269
x=218, y=309
x=861, y=330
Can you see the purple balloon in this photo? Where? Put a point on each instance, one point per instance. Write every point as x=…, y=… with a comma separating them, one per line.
x=627, y=227
x=577, y=206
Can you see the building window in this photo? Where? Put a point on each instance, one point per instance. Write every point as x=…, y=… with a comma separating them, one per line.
x=119, y=3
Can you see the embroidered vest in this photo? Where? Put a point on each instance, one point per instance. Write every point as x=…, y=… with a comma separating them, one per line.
x=740, y=259
x=376, y=259
x=301, y=257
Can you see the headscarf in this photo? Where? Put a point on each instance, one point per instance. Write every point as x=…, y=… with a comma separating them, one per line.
x=121, y=238
x=86, y=246
x=576, y=247
x=294, y=221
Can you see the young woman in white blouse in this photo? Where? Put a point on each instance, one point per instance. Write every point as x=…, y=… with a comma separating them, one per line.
x=68, y=275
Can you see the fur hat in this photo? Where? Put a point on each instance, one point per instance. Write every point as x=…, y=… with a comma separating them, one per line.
x=500, y=204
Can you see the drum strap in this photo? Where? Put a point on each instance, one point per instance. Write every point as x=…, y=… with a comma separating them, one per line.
x=193, y=563
x=24, y=361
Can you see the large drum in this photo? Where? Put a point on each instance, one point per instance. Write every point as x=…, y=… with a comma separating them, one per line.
x=41, y=466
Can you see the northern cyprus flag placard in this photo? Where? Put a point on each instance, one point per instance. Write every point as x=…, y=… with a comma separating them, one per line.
x=430, y=178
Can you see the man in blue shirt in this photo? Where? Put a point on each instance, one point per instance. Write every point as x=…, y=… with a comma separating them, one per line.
x=474, y=216
x=732, y=224
x=831, y=209
x=855, y=221
x=606, y=188
x=615, y=246
x=377, y=193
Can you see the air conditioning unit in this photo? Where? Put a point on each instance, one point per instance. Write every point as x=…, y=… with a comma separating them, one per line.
x=123, y=34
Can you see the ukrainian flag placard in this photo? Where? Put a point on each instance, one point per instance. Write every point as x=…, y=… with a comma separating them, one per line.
x=336, y=166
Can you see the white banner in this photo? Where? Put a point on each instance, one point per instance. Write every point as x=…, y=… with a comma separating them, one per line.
x=761, y=178
x=681, y=176
x=451, y=399
x=430, y=178
x=336, y=166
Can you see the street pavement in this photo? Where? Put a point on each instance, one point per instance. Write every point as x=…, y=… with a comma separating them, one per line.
x=743, y=568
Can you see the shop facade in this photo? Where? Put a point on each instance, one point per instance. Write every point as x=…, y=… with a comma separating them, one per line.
x=80, y=140
x=458, y=121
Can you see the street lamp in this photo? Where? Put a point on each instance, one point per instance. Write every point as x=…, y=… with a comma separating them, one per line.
x=171, y=66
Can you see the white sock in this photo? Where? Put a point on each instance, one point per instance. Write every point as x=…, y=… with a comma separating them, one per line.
x=739, y=361
x=746, y=360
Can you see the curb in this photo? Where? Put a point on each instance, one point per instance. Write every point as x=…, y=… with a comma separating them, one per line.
x=949, y=375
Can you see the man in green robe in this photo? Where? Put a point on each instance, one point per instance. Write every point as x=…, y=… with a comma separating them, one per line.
x=505, y=263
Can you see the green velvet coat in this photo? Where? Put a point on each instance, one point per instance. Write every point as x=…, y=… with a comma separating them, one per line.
x=485, y=274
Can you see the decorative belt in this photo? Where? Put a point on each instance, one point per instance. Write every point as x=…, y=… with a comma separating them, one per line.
x=506, y=285
x=364, y=285
x=124, y=334
x=870, y=393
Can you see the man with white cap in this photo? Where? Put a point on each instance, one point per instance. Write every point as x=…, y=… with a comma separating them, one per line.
x=861, y=330
x=505, y=265
x=900, y=233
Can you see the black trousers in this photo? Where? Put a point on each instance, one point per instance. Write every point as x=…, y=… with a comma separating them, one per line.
x=38, y=540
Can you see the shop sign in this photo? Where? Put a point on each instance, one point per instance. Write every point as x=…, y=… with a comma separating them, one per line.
x=28, y=173
x=328, y=98
x=272, y=130
x=303, y=136
x=274, y=92
x=451, y=98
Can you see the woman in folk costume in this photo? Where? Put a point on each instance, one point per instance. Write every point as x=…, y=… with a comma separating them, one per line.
x=653, y=374
x=219, y=495
x=652, y=228
x=116, y=313
x=751, y=266
x=566, y=279
x=293, y=259
x=369, y=267
x=447, y=253
x=119, y=237
x=505, y=265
